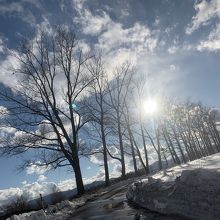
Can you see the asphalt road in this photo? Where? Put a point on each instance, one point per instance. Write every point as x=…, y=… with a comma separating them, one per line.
x=113, y=205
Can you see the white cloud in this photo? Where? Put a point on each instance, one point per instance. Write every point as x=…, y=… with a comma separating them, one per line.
x=2, y=46
x=62, y=5
x=120, y=44
x=21, y=9
x=24, y=182
x=172, y=49
x=205, y=11
x=115, y=165
x=5, y=131
x=78, y=5
x=97, y=158
x=157, y=21
x=9, y=195
x=12, y=7
x=7, y=66
x=117, y=42
x=212, y=42
x=124, y=12
x=3, y=111
x=41, y=178
x=66, y=184
x=136, y=36
x=91, y=24
x=18, y=9
x=11, y=63
x=29, y=191
x=172, y=67
x=37, y=169
x=118, y=57
x=32, y=191
x=84, y=46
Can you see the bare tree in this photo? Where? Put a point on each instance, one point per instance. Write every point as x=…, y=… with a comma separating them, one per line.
x=45, y=108
x=118, y=89
x=127, y=118
x=98, y=109
x=140, y=83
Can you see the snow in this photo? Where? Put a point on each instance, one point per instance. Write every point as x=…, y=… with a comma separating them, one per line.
x=164, y=184
x=59, y=211
x=30, y=216
x=190, y=190
x=210, y=162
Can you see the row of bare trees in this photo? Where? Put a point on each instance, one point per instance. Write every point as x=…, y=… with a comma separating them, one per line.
x=67, y=105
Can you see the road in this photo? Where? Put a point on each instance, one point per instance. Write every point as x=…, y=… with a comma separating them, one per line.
x=113, y=205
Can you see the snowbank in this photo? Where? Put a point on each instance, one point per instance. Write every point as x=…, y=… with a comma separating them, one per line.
x=191, y=190
x=59, y=211
x=30, y=216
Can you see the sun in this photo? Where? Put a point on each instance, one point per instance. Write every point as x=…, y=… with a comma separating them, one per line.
x=150, y=106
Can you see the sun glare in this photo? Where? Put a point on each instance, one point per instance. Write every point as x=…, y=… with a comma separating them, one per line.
x=150, y=106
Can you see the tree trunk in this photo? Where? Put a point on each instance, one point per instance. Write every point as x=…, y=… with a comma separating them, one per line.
x=172, y=147
x=179, y=145
x=158, y=148
x=121, y=147
x=78, y=176
x=132, y=149
x=139, y=154
x=107, y=182
x=145, y=150
x=169, y=148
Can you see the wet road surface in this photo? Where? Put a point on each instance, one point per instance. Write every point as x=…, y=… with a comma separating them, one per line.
x=113, y=205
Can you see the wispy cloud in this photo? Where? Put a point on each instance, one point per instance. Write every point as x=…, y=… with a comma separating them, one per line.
x=212, y=43
x=19, y=10
x=8, y=64
x=205, y=11
x=41, y=178
x=37, y=169
x=2, y=47
x=118, y=42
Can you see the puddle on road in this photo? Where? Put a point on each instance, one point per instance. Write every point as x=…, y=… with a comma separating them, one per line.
x=114, y=205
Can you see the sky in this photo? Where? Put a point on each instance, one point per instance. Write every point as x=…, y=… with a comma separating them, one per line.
x=175, y=43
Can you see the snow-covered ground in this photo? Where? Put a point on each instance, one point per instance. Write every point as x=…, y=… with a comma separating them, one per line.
x=191, y=190
x=59, y=211
x=210, y=162
x=64, y=209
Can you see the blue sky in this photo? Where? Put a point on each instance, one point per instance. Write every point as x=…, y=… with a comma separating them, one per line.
x=176, y=43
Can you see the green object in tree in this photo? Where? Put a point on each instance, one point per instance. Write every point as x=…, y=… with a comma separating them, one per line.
x=73, y=105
